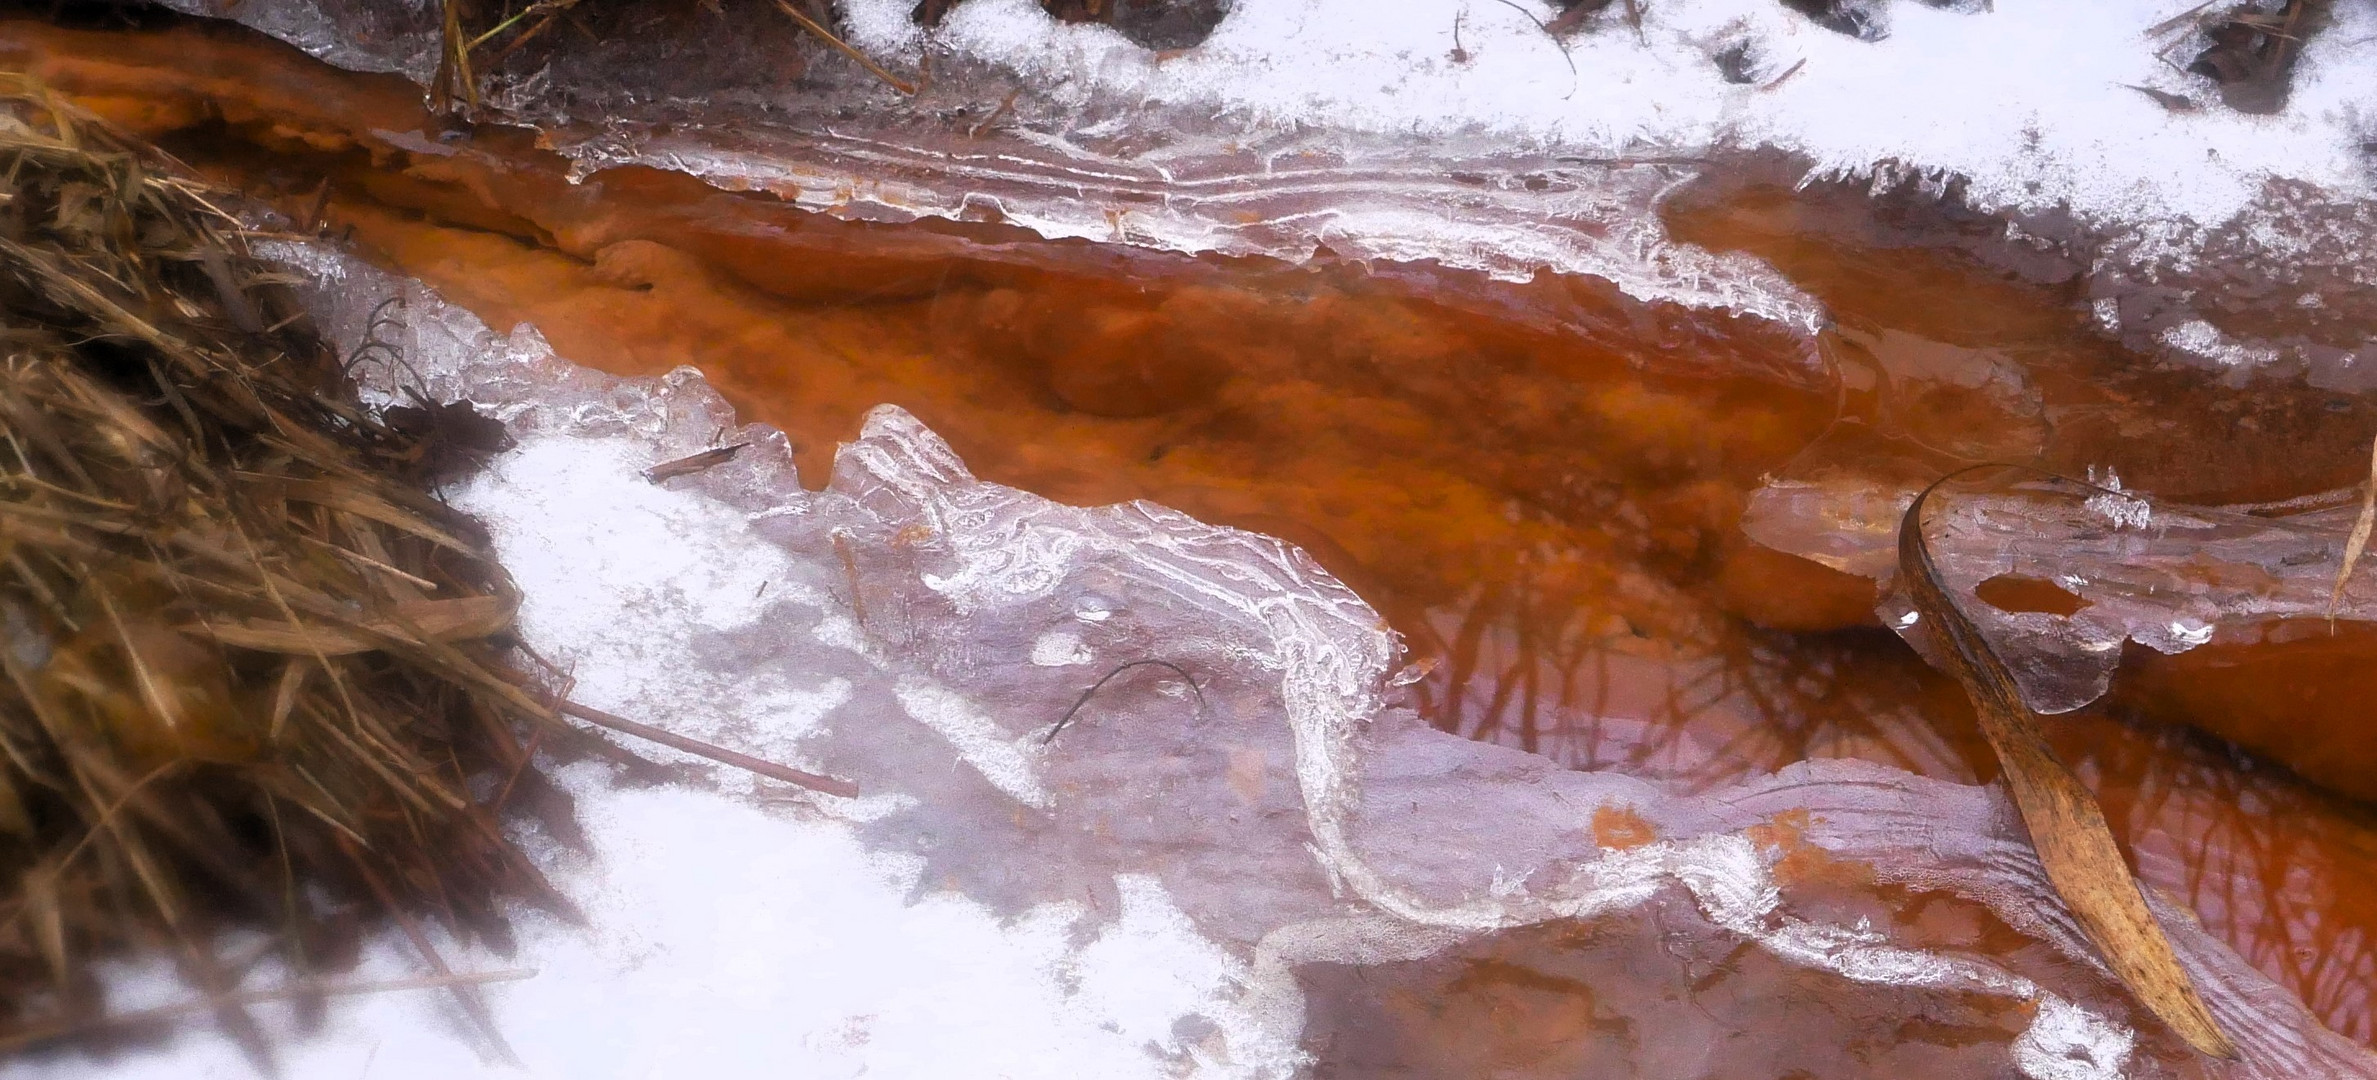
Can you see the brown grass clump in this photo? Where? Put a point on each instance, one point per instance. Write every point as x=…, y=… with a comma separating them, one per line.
x=255, y=677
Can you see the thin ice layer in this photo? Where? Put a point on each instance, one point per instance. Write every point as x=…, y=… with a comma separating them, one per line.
x=1462, y=133
x=2162, y=574
x=1136, y=895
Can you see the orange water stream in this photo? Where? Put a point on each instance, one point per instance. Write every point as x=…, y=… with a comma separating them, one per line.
x=1551, y=517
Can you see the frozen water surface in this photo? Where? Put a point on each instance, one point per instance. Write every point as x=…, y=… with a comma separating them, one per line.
x=1146, y=892
x=1459, y=132
x=1160, y=888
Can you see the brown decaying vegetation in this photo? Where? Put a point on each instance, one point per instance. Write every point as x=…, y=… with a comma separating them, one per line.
x=254, y=676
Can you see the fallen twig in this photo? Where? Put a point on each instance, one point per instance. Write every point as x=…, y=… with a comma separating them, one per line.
x=693, y=463
x=2357, y=543
x=828, y=784
x=1784, y=77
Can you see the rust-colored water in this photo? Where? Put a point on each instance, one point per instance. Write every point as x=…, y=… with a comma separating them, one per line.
x=1539, y=485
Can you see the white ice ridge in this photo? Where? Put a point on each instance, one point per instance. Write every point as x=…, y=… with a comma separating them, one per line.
x=1141, y=895
x=1460, y=133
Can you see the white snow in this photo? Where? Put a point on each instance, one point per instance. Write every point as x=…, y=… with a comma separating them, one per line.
x=2032, y=100
x=728, y=938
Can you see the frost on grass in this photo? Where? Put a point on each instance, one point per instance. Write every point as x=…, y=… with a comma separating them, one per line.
x=1154, y=891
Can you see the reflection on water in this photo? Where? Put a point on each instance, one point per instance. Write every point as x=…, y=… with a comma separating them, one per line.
x=1570, y=1001
x=1539, y=486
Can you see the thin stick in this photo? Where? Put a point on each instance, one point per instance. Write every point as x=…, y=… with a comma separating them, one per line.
x=693, y=463
x=828, y=784
x=995, y=114
x=532, y=9
x=864, y=61
x=1078, y=702
x=1785, y=76
x=1547, y=30
x=514, y=45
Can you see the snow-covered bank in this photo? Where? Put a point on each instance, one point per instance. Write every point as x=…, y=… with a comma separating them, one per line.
x=2033, y=102
x=1460, y=132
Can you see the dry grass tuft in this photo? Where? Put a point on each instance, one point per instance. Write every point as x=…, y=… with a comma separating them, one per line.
x=255, y=677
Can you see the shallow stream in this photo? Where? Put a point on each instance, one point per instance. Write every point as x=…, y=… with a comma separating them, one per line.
x=1541, y=485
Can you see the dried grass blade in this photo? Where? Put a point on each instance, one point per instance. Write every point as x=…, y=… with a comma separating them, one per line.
x=428, y=620
x=865, y=61
x=364, y=504
x=2358, y=542
x=827, y=784
x=2074, y=843
x=37, y=1034
x=464, y=994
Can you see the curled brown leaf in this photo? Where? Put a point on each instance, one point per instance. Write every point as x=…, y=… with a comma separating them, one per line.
x=2074, y=844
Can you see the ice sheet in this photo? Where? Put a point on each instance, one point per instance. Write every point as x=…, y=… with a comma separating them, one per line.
x=2165, y=575
x=1459, y=132
x=1137, y=895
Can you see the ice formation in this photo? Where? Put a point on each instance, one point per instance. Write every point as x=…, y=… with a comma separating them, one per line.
x=2163, y=575
x=1137, y=895
x=1459, y=132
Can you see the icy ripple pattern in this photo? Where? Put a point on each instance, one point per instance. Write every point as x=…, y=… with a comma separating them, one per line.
x=1291, y=811
x=1462, y=135
x=1137, y=172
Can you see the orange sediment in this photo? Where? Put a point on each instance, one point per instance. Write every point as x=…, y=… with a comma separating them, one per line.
x=1550, y=516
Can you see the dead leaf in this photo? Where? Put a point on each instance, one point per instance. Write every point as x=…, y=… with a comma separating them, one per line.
x=1574, y=17
x=693, y=463
x=455, y=438
x=2252, y=53
x=2066, y=826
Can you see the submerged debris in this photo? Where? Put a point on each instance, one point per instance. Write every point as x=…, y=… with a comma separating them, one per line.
x=1118, y=669
x=254, y=676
